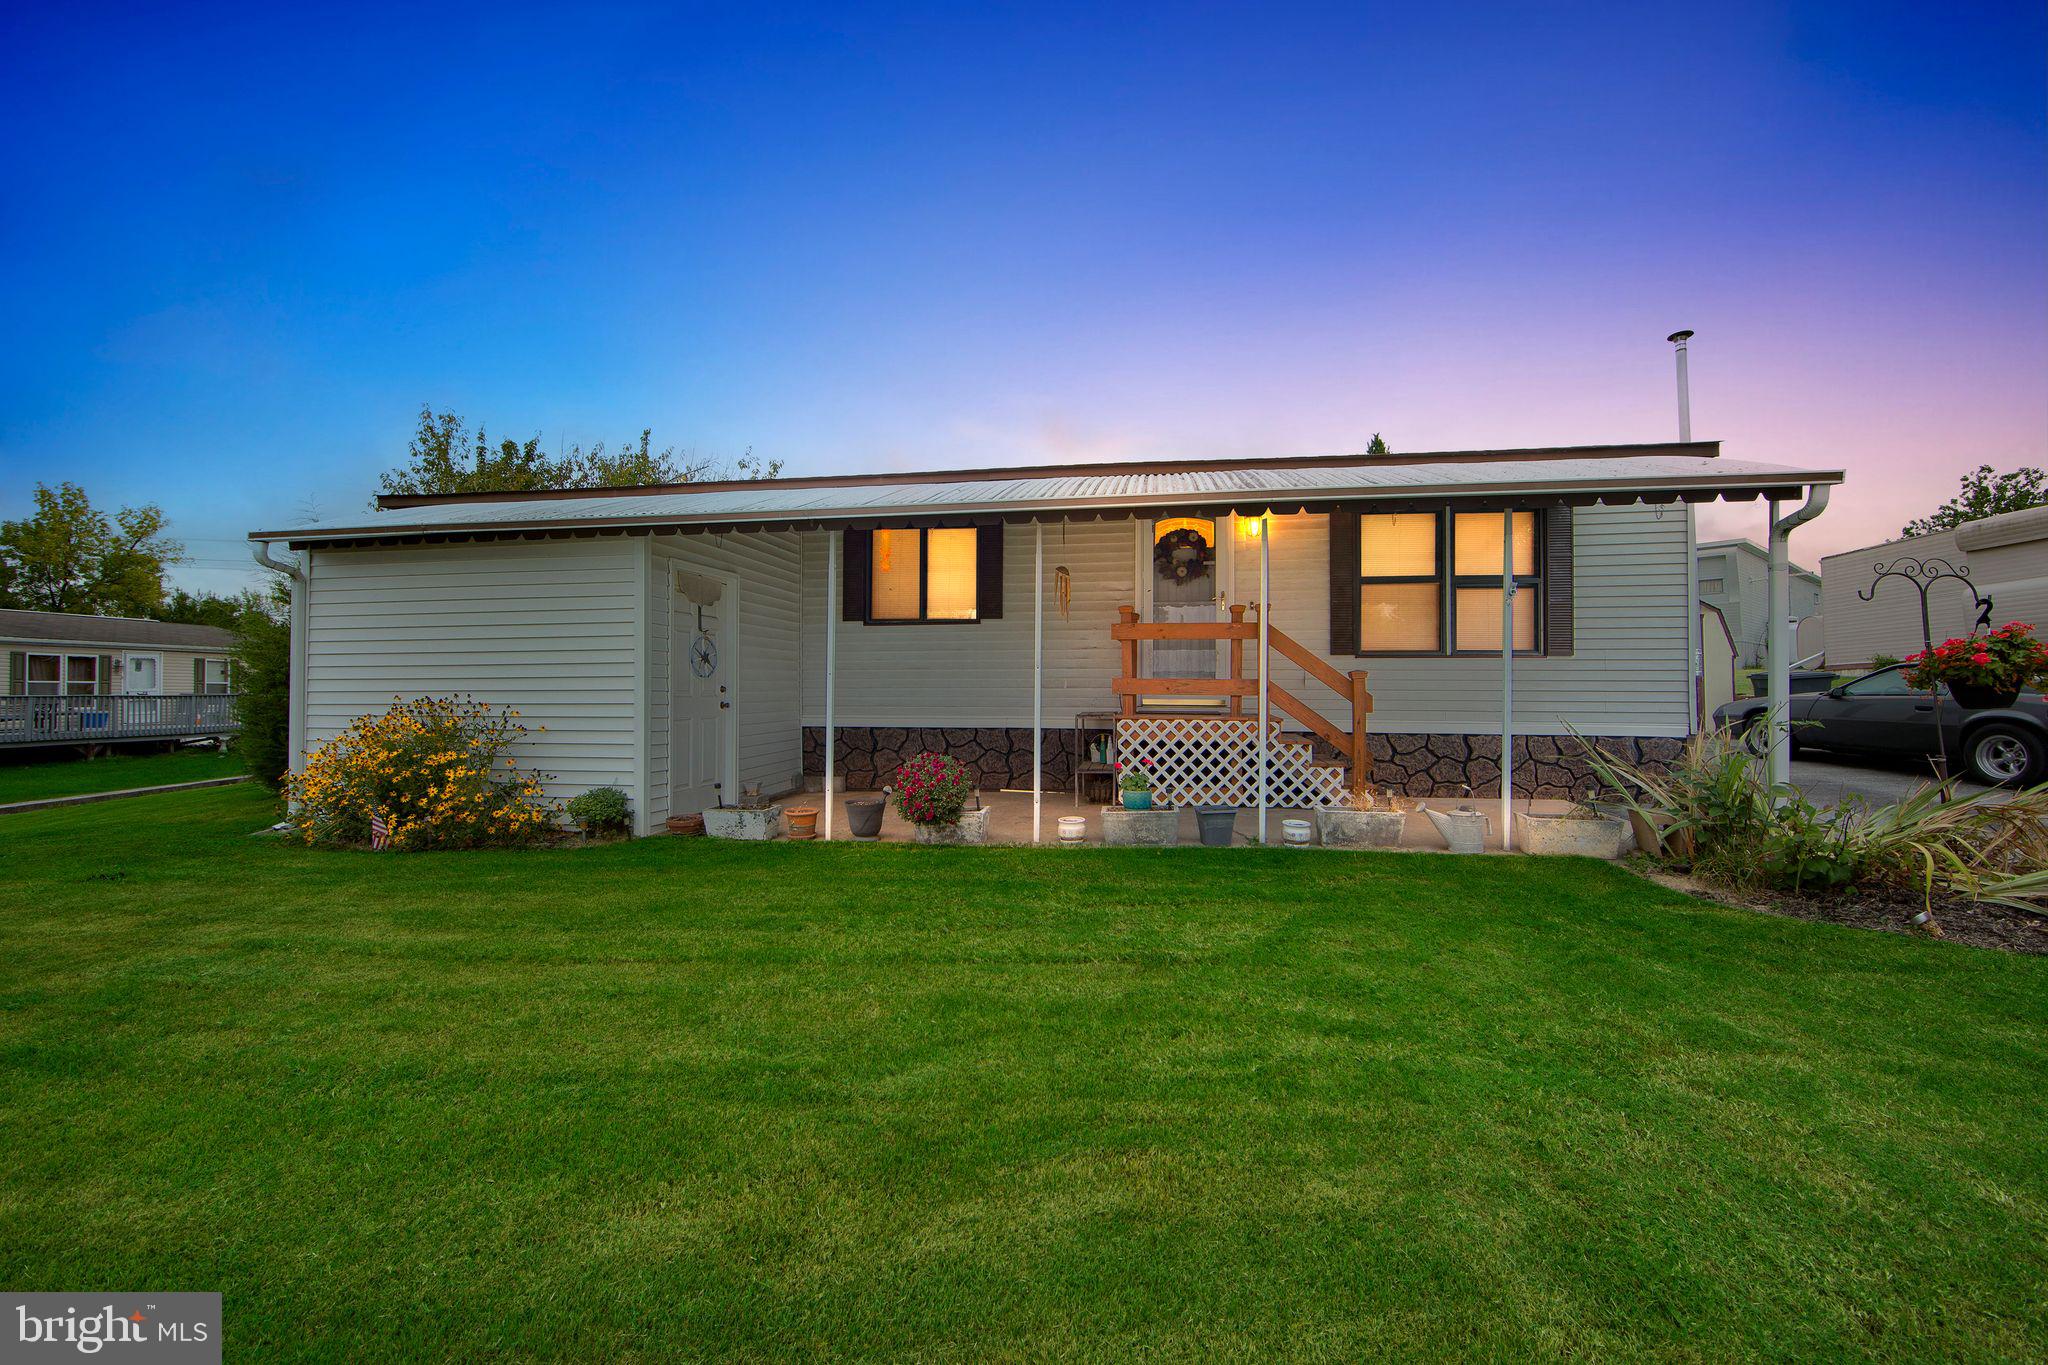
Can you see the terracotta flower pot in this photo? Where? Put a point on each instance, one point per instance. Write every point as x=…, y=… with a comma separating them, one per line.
x=803, y=821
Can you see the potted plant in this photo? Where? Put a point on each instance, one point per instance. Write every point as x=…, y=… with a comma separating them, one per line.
x=1135, y=782
x=601, y=812
x=932, y=792
x=1983, y=670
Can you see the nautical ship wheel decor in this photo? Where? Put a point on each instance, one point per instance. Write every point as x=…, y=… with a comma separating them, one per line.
x=704, y=655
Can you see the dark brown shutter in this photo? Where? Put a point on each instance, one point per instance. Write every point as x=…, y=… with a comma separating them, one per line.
x=854, y=575
x=103, y=677
x=1344, y=581
x=988, y=572
x=17, y=672
x=198, y=676
x=1557, y=581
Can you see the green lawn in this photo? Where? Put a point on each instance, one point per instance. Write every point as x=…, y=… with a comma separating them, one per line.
x=22, y=781
x=678, y=1099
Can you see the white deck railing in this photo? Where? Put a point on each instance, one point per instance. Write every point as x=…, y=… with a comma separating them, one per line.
x=101, y=719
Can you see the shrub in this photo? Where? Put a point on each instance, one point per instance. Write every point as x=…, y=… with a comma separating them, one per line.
x=435, y=769
x=2006, y=660
x=602, y=810
x=1883, y=660
x=1747, y=832
x=932, y=789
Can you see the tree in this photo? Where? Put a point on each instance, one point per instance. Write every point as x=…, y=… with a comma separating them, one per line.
x=208, y=609
x=446, y=457
x=1378, y=446
x=1985, y=493
x=69, y=556
x=263, y=682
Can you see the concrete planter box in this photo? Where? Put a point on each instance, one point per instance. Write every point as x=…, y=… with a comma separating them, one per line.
x=1337, y=828
x=730, y=822
x=1559, y=834
x=970, y=828
x=1140, y=828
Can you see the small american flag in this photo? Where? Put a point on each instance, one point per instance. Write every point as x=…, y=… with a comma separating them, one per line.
x=380, y=832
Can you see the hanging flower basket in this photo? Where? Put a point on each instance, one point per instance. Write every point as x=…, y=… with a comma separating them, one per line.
x=1983, y=671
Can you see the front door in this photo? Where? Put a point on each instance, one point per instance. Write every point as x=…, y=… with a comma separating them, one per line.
x=145, y=676
x=702, y=692
x=1184, y=569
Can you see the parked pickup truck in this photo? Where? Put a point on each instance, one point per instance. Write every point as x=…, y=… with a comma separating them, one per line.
x=1880, y=714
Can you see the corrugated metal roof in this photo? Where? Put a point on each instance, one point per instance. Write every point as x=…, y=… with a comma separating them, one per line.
x=73, y=628
x=1042, y=494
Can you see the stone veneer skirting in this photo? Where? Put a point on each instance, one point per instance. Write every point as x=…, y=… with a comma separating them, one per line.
x=1411, y=765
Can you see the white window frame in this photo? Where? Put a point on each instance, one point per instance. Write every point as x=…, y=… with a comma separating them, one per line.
x=207, y=687
x=64, y=682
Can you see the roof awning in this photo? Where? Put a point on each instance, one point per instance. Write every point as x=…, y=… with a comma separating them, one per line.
x=1485, y=480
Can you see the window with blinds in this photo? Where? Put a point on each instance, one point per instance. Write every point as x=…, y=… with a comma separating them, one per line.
x=923, y=575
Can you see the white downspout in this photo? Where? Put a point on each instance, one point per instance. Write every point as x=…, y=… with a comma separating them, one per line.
x=1037, y=679
x=295, y=717
x=832, y=539
x=1507, y=681
x=1265, y=656
x=1778, y=661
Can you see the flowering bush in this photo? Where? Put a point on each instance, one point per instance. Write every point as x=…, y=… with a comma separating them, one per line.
x=433, y=771
x=2009, y=659
x=1135, y=777
x=932, y=789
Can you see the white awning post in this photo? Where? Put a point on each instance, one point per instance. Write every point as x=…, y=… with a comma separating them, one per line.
x=1265, y=525
x=1037, y=678
x=1507, y=680
x=832, y=539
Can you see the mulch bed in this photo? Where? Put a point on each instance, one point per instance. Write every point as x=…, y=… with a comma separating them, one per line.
x=1887, y=908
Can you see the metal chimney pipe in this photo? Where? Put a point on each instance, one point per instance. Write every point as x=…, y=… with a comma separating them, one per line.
x=1679, y=339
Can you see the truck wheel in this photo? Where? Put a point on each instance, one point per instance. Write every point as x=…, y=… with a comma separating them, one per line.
x=2005, y=755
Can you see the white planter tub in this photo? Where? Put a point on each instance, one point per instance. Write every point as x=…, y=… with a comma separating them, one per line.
x=1341, y=828
x=970, y=828
x=1570, y=836
x=732, y=822
x=1140, y=828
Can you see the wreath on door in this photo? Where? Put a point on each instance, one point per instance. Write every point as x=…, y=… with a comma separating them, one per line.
x=1182, y=554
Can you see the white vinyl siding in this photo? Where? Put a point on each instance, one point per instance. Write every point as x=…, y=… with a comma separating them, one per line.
x=1630, y=673
x=979, y=673
x=545, y=627
x=765, y=699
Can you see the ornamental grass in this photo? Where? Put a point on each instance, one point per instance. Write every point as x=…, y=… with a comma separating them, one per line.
x=434, y=772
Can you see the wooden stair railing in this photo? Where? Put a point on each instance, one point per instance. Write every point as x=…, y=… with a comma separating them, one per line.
x=1130, y=686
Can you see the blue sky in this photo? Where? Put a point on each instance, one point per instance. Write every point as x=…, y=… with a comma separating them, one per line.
x=242, y=248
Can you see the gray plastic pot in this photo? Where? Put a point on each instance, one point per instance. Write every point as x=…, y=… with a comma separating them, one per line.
x=1217, y=824
x=864, y=816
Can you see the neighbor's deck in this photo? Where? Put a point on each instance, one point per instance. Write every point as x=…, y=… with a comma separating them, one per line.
x=112, y=719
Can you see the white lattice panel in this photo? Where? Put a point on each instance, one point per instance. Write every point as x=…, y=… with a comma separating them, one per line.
x=1214, y=761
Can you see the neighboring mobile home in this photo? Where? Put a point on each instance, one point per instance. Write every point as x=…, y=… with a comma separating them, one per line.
x=51, y=653
x=2005, y=558
x=1734, y=575
x=688, y=642
x=87, y=681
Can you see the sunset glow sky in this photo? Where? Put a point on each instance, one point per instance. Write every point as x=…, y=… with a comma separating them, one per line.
x=240, y=252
